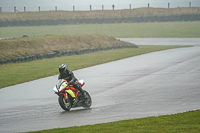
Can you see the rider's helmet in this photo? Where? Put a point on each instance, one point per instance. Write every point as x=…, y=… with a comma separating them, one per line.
x=62, y=68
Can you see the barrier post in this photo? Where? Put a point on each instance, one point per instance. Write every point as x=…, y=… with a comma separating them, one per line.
x=113, y=6
x=15, y=9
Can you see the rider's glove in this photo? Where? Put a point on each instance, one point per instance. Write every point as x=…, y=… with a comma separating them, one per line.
x=70, y=82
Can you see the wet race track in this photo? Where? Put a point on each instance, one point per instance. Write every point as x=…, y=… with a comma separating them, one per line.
x=153, y=84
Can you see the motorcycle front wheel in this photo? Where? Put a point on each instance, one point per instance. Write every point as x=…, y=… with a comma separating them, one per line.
x=64, y=104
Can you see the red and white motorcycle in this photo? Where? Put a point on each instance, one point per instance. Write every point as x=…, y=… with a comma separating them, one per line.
x=65, y=93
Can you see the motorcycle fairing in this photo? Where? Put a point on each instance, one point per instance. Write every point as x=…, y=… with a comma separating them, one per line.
x=62, y=85
x=70, y=92
x=81, y=82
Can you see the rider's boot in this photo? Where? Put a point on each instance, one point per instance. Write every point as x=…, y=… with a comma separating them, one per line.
x=82, y=92
x=74, y=100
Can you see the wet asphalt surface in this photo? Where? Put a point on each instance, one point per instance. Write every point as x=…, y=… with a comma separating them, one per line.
x=153, y=84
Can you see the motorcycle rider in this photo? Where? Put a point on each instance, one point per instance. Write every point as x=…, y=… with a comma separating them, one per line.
x=70, y=78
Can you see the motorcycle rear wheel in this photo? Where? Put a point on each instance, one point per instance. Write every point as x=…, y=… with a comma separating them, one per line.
x=64, y=104
x=88, y=102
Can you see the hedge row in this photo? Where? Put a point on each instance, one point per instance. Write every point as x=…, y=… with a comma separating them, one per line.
x=60, y=53
x=189, y=17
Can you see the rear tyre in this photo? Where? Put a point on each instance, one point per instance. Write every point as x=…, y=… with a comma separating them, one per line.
x=88, y=101
x=64, y=104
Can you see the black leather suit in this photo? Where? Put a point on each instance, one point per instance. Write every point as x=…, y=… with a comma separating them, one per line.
x=69, y=76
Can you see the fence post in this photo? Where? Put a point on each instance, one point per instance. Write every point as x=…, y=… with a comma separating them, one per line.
x=56, y=8
x=73, y=8
x=24, y=9
x=190, y=4
x=90, y=7
x=39, y=8
x=113, y=6
x=130, y=6
x=0, y=9
x=148, y=5
x=15, y=9
x=168, y=5
x=102, y=7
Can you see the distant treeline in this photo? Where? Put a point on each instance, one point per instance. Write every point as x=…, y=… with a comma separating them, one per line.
x=189, y=17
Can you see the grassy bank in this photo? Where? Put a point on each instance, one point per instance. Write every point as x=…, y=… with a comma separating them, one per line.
x=138, y=12
x=119, y=30
x=188, y=122
x=15, y=73
x=22, y=47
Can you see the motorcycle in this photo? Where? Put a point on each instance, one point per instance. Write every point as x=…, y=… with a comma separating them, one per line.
x=65, y=93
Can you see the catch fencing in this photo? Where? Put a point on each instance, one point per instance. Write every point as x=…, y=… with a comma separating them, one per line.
x=91, y=7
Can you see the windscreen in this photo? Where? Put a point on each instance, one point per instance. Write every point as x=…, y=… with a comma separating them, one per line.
x=60, y=81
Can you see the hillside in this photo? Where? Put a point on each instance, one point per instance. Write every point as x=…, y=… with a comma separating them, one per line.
x=59, y=15
x=50, y=45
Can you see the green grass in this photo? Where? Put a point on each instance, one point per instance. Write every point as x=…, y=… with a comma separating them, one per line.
x=188, y=122
x=15, y=73
x=137, y=12
x=22, y=47
x=118, y=30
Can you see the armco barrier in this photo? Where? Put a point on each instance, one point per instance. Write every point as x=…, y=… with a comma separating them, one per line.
x=188, y=17
x=58, y=53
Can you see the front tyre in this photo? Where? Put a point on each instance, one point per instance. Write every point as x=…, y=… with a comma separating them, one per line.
x=64, y=104
x=87, y=101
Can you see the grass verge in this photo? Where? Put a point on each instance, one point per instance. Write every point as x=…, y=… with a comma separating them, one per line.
x=22, y=47
x=15, y=73
x=181, y=123
x=118, y=30
x=137, y=12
